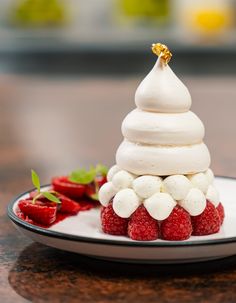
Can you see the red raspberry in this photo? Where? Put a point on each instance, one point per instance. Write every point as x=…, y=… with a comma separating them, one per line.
x=206, y=223
x=102, y=211
x=113, y=224
x=177, y=226
x=221, y=212
x=142, y=227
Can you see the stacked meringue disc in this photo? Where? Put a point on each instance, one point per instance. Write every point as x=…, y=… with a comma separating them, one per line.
x=162, y=161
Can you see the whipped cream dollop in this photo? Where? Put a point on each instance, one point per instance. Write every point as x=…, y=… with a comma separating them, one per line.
x=106, y=193
x=146, y=186
x=194, y=203
x=213, y=195
x=125, y=202
x=122, y=179
x=178, y=186
x=200, y=181
x=160, y=205
x=162, y=91
x=112, y=171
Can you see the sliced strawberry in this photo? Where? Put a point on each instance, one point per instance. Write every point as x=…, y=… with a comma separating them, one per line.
x=20, y=215
x=68, y=206
x=38, y=212
x=70, y=189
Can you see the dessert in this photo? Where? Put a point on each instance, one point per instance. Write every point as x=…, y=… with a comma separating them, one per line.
x=161, y=186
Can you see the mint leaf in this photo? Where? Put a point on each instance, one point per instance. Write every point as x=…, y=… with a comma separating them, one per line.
x=83, y=176
x=51, y=197
x=101, y=169
x=35, y=180
x=47, y=194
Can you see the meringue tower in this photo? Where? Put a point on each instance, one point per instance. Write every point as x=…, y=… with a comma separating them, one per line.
x=162, y=136
x=162, y=161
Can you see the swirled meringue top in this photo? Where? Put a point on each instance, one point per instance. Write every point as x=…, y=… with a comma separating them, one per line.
x=162, y=91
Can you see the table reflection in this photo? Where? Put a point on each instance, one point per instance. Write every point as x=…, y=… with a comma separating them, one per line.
x=41, y=273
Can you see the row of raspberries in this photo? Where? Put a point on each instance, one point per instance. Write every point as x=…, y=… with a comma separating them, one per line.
x=178, y=226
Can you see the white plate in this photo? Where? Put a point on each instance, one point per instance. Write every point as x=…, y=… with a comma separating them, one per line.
x=82, y=234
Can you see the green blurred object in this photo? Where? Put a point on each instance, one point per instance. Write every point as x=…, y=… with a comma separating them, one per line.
x=39, y=13
x=146, y=9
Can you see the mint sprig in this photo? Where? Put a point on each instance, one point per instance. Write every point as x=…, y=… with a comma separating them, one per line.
x=51, y=197
x=83, y=176
x=47, y=194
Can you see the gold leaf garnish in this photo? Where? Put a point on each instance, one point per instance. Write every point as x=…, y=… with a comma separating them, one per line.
x=161, y=50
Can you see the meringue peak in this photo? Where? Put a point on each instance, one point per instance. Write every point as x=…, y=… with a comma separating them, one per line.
x=162, y=91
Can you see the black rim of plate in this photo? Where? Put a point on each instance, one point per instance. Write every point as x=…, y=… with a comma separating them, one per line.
x=131, y=243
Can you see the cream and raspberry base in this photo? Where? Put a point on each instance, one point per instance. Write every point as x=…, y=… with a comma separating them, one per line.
x=159, y=195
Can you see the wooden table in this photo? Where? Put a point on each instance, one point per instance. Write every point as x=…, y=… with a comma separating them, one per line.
x=56, y=125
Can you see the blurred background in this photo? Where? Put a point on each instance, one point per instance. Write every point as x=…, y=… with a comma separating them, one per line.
x=69, y=70
x=97, y=36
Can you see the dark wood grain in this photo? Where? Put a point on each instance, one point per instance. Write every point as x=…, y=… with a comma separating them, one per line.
x=54, y=126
